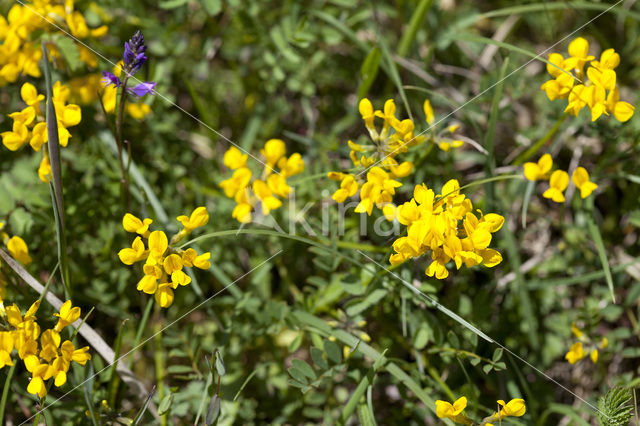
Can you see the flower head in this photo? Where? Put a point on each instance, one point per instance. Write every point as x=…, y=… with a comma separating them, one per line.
x=110, y=78
x=557, y=184
x=142, y=89
x=580, y=178
x=134, y=53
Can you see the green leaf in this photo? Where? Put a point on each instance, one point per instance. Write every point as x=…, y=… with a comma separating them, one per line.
x=304, y=368
x=172, y=4
x=214, y=410
x=333, y=352
x=298, y=375
x=69, y=51
x=220, y=364
x=179, y=369
x=497, y=354
x=369, y=71
x=474, y=361
x=371, y=299
x=421, y=338
x=165, y=404
x=318, y=359
x=487, y=368
x=213, y=7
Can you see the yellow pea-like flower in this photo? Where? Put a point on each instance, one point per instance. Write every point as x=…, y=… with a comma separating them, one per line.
x=557, y=184
x=580, y=178
x=366, y=111
x=199, y=217
x=136, y=253
x=19, y=250
x=68, y=315
x=515, y=407
x=428, y=112
x=539, y=170
x=273, y=150
x=234, y=158
x=445, y=409
x=158, y=244
x=576, y=353
x=131, y=223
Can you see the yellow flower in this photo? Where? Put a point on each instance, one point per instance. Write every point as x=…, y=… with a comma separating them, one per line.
x=136, y=253
x=366, y=111
x=19, y=250
x=6, y=346
x=131, y=223
x=348, y=188
x=199, y=217
x=515, y=408
x=580, y=178
x=576, y=353
x=539, y=170
x=264, y=194
x=447, y=410
x=578, y=54
x=273, y=150
x=236, y=183
x=68, y=315
x=40, y=372
x=158, y=244
x=557, y=184
x=234, y=159
x=428, y=112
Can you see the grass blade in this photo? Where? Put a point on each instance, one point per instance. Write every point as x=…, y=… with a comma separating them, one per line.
x=365, y=383
x=525, y=201
x=602, y=254
x=56, y=175
x=415, y=23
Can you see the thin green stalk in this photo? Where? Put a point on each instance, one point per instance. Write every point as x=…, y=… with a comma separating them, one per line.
x=540, y=143
x=5, y=392
x=124, y=184
x=115, y=378
x=143, y=324
x=489, y=141
x=158, y=357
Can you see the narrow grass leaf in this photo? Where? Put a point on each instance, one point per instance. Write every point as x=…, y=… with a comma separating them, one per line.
x=602, y=254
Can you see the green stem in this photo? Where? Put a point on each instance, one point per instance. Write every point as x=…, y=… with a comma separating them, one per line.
x=124, y=188
x=143, y=325
x=158, y=356
x=540, y=143
x=5, y=392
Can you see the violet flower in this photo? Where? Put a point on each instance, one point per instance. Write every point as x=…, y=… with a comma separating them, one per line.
x=109, y=79
x=134, y=56
x=142, y=88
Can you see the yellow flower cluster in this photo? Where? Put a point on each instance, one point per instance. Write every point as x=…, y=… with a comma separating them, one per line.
x=578, y=349
x=559, y=180
x=446, y=225
x=163, y=263
x=16, y=246
x=514, y=408
x=85, y=90
x=591, y=91
x=44, y=354
x=441, y=139
x=266, y=190
x=29, y=125
x=20, y=51
x=379, y=187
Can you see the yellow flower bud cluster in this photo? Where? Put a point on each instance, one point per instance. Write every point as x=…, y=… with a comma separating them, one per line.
x=455, y=412
x=44, y=354
x=446, y=225
x=20, y=51
x=16, y=246
x=248, y=192
x=559, y=180
x=29, y=125
x=163, y=263
x=584, y=346
x=587, y=89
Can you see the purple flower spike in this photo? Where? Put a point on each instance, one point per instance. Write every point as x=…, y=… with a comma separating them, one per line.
x=142, y=88
x=109, y=79
x=134, y=56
